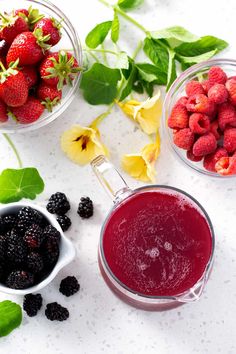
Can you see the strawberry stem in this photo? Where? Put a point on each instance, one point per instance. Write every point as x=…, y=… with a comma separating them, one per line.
x=10, y=142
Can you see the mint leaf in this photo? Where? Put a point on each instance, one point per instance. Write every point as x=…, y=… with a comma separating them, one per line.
x=129, y=81
x=99, y=84
x=128, y=5
x=150, y=73
x=174, y=35
x=18, y=184
x=203, y=45
x=115, y=28
x=186, y=62
x=98, y=34
x=171, y=76
x=158, y=54
x=10, y=317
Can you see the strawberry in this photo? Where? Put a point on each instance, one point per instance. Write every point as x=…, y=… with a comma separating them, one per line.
x=13, y=86
x=11, y=26
x=28, y=47
x=179, y=117
x=31, y=75
x=29, y=112
x=50, y=26
x=19, y=12
x=3, y=112
x=50, y=96
x=3, y=48
x=59, y=68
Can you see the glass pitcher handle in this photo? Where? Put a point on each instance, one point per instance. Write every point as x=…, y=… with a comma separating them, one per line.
x=110, y=179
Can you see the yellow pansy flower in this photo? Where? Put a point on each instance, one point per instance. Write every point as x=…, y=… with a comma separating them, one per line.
x=142, y=166
x=82, y=144
x=147, y=114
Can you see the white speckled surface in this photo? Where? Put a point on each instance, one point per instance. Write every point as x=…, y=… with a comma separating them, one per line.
x=99, y=322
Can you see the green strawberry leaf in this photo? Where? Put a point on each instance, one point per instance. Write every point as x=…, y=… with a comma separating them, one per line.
x=158, y=54
x=186, y=62
x=203, y=45
x=115, y=28
x=171, y=76
x=174, y=35
x=18, y=184
x=129, y=81
x=128, y=5
x=10, y=317
x=98, y=34
x=149, y=73
x=99, y=84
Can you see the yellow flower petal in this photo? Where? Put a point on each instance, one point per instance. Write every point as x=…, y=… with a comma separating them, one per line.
x=82, y=144
x=128, y=107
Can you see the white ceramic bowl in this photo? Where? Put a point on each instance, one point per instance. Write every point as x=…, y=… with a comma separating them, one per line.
x=67, y=249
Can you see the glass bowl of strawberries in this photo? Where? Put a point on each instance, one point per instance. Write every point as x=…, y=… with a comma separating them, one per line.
x=199, y=115
x=40, y=64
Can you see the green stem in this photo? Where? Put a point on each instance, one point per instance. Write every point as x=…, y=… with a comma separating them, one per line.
x=102, y=116
x=10, y=142
x=104, y=55
x=100, y=51
x=94, y=57
x=137, y=50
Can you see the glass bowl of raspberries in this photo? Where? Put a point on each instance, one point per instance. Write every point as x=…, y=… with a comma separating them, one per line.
x=40, y=64
x=33, y=248
x=200, y=117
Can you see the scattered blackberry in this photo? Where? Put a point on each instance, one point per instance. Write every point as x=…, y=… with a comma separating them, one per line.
x=34, y=262
x=69, y=286
x=50, y=232
x=58, y=204
x=50, y=252
x=56, y=312
x=32, y=304
x=20, y=279
x=26, y=217
x=64, y=222
x=3, y=247
x=85, y=208
x=34, y=236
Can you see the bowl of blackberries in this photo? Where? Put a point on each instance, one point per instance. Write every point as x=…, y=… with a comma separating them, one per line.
x=33, y=248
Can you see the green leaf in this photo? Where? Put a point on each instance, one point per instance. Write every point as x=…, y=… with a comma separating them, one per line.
x=10, y=317
x=186, y=62
x=158, y=54
x=203, y=45
x=115, y=28
x=138, y=87
x=98, y=34
x=18, y=184
x=99, y=84
x=149, y=88
x=174, y=35
x=129, y=82
x=150, y=73
x=171, y=69
x=128, y=5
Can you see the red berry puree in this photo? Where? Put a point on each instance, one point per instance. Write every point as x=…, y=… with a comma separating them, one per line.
x=157, y=243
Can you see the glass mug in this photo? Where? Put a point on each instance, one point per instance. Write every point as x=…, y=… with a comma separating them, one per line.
x=156, y=245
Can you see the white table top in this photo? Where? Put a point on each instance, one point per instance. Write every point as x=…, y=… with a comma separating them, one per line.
x=99, y=322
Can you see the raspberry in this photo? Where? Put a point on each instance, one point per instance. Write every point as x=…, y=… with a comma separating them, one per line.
x=64, y=222
x=199, y=123
x=182, y=101
x=85, y=208
x=226, y=166
x=58, y=204
x=34, y=262
x=230, y=139
x=51, y=233
x=56, y=312
x=226, y=115
x=211, y=160
x=28, y=216
x=205, y=145
x=20, y=279
x=216, y=75
x=200, y=104
x=214, y=129
x=192, y=157
x=69, y=286
x=184, y=138
x=34, y=236
x=32, y=304
x=218, y=94
x=193, y=88
x=231, y=87
x=206, y=85
x=178, y=118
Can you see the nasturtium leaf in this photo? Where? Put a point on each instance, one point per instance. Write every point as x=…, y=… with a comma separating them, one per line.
x=18, y=184
x=128, y=5
x=138, y=87
x=99, y=84
x=203, y=45
x=129, y=82
x=157, y=53
x=149, y=88
x=115, y=28
x=186, y=62
x=98, y=34
x=10, y=317
x=171, y=69
x=150, y=73
x=174, y=35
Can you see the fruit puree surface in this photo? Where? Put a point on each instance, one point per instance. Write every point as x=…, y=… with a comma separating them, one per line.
x=157, y=243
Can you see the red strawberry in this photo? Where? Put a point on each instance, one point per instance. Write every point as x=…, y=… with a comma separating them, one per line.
x=231, y=87
x=184, y=138
x=30, y=74
x=22, y=11
x=226, y=166
x=28, y=47
x=205, y=145
x=13, y=86
x=3, y=48
x=50, y=96
x=179, y=117
x=11, y=26
x=52, y=27
x=199, y=123
x=230, y=139
x=210, y=160
x=29, y=112
x=226, y=115
x=194, y=87
x=59, y=68
x=3, y=112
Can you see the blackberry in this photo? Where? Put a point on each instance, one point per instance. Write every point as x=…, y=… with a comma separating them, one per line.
x=69, y=286
x=26, y=217
x=32, y=304
x=3, y=247
x=34, y=262
x=64, y=222
x=58, y=204
x=16, y=248
x=34, y=236
x=85, y=208
x=20, y=279
x=56, y=312
x=9, y=222
x=50, y=252
x=50, y=232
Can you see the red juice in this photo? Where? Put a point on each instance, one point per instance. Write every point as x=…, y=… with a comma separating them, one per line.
x=157, y=243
